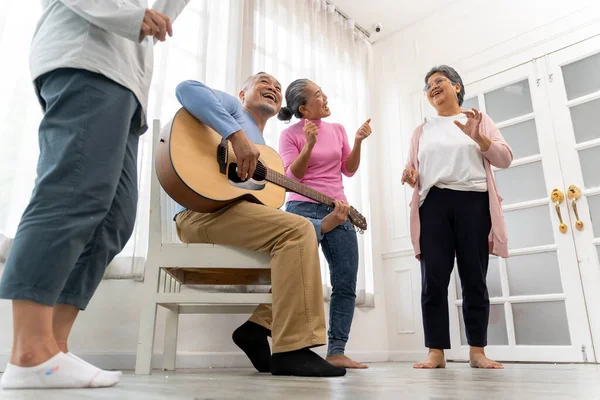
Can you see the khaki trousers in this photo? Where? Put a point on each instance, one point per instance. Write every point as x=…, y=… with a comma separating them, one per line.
x=297, y=316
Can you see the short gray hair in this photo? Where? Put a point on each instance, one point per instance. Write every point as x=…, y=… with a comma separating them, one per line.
x=451, y=74
x=251, y=79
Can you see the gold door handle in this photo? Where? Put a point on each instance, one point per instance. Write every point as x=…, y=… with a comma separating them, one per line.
x=558, y=197
x=575, y=194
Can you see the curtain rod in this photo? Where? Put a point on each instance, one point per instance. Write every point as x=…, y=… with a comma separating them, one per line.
x=344, y=15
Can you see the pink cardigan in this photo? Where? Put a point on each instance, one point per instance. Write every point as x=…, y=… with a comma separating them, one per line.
x=499, y=155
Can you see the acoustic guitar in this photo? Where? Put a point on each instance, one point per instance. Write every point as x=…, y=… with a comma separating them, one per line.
x=198, y=169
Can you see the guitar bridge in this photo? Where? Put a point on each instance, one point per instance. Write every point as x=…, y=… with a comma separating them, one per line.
x=222, y=150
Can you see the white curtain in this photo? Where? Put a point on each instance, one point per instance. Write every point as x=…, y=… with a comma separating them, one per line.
x=201, y=48
x=308, y=39
x=20, y=114
x=205, y=47
x=217, y=42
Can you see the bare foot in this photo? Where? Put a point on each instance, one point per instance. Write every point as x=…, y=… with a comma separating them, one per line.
x=435, y=359
x=344, y=362
x=479, y=360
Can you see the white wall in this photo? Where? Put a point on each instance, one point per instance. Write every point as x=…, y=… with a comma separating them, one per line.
x=478, y=38
x=106, y=333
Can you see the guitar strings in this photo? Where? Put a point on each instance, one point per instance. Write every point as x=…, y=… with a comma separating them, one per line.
x=263, y=169
x=259, y=166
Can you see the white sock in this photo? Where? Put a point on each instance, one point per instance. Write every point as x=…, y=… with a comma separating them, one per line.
x=91, y=365
x=61, y=371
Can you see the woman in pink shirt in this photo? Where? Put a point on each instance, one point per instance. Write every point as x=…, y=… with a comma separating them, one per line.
x=455, y=212
x=317, y=153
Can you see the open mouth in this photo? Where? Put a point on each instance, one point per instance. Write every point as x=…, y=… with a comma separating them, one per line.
x=326, y=107
x=436, y=92
x=270, y=96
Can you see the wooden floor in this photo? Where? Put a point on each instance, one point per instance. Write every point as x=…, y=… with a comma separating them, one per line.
x=381, y=381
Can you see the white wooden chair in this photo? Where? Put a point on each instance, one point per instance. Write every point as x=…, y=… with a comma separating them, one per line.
x=171, y=264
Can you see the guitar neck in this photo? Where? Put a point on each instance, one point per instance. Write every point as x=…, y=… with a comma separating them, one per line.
x=297, y=187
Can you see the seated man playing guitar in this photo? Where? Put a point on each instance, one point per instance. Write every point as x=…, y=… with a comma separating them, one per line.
x=296, y=320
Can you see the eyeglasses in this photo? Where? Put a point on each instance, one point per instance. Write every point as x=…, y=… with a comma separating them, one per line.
x=436, y=83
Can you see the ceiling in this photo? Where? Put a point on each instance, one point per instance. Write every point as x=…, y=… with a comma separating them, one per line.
x=394, y=15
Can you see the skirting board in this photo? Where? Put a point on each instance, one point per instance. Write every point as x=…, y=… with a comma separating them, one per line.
x=200, y=360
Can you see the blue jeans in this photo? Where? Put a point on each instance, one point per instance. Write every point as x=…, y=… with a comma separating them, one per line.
x=82, y=209
x=340, y=248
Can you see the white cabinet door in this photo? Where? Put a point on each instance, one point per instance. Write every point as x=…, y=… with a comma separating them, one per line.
x=573, y=81
x=537, y=310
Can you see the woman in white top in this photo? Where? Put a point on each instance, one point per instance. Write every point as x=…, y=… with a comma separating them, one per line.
x=455, y=212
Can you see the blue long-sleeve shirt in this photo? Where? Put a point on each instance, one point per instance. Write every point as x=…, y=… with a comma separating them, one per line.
x=219, y=110
x=224, y=114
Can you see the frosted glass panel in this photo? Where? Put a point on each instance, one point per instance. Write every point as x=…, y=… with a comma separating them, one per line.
x=533, y=274
x=529, y=227
x=522, y=138
x=493, y=279
x=497, y=334
x=541, y=324
x=582, y=77
x=594, y=206
x=509, y=102
x=590, y=166
x=522, y=183
x=585, y=120
x=473, y=102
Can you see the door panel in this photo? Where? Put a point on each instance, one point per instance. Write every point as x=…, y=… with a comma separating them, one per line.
x=537, y=307
x=572, y=78
x=523, y=138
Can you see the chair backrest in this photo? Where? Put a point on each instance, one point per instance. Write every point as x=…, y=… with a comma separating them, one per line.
x=162, y=231
x=162, y=207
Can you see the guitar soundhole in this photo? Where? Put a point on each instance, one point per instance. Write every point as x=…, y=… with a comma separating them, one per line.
x=257, y=182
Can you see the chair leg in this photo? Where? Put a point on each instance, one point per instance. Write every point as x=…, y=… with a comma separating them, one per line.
x=170, y=349
x=145, y=346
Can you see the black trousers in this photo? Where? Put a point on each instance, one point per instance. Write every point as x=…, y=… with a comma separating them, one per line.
x=454, y=223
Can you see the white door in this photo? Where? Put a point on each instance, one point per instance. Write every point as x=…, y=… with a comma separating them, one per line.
x=573, y=81
x=537, y=310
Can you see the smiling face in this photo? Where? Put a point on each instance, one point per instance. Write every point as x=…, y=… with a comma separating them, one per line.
x=316, y=104
x=441, y=92
x=262, y=94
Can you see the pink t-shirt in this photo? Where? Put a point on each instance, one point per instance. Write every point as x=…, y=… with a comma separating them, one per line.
x=327, y=162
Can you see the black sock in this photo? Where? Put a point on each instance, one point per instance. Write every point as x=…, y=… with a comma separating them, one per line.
x=252, y=339
x=303, y=362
